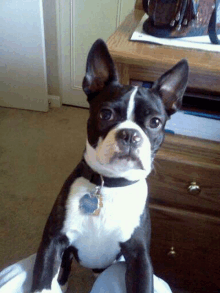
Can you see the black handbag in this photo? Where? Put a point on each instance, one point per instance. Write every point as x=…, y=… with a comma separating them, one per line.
x=182, y=18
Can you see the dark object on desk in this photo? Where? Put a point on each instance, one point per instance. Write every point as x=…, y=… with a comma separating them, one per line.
x=182, y=18
x=206, y=106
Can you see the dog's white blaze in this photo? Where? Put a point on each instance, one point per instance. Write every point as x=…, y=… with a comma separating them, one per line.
x=97, y=238
x=131, y=105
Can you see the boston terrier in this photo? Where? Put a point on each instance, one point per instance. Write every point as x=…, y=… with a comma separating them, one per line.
x=101, y=212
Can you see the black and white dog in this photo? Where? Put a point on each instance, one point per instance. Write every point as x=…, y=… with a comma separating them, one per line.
x=101, y=212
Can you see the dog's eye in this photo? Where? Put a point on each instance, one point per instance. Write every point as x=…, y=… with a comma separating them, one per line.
x=106, y=114
x=155, y=122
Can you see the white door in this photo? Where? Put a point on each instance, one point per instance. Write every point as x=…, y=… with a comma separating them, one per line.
x=23, y=81
x=81, y=23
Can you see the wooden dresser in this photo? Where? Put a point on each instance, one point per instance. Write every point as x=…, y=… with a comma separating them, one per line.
x=185, y=214
x=185, y=185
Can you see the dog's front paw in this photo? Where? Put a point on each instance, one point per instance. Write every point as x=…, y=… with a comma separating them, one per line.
x=62, y=289
x=57, y=289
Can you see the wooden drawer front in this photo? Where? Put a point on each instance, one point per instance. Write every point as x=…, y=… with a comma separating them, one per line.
x=169, y=182
x=196, y=241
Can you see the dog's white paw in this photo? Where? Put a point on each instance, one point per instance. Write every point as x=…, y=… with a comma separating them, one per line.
x=63, y=289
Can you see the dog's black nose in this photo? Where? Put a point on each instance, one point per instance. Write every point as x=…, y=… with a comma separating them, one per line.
x=129, y=137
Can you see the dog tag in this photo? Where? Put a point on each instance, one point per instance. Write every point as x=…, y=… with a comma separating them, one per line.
x=91, y=203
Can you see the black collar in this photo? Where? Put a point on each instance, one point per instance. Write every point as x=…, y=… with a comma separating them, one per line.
x=95, y=178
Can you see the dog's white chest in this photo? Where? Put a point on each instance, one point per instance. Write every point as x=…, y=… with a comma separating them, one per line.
x=97, y=238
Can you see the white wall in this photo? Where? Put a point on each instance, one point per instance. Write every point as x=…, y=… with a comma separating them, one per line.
x=22, y=55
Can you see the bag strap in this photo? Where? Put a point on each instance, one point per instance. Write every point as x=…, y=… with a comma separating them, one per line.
x=212, y=30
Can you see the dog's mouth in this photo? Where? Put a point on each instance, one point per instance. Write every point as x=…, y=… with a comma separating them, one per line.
x=129, y=156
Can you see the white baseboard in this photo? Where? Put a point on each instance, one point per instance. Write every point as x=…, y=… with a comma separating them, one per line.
x=54, y=101
x=35, y=101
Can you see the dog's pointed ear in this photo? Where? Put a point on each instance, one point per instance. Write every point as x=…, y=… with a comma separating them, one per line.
x=171, y=86
x=100, y=69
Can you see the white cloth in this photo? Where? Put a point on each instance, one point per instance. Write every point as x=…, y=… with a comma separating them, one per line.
x=113, y=280
x=17, y=278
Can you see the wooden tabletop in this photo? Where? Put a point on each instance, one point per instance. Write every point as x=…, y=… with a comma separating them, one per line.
x=150, y=60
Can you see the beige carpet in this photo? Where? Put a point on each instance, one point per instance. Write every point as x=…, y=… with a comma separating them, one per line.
x=37, y=153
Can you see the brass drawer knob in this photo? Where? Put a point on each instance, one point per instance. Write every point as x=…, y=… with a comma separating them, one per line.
x=172, y=252
x=194, y=188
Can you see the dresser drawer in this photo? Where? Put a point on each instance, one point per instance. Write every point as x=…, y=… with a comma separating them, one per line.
x=185, y=249
x=187, y=186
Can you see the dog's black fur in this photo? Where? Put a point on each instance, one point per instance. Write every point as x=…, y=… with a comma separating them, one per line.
x=110, y=105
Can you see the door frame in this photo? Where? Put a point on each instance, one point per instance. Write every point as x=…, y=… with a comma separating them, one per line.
x=65, y=39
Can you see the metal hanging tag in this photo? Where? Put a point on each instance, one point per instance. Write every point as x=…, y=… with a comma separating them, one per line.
x=91, y=203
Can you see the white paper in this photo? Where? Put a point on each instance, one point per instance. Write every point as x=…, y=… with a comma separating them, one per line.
x=190, y=125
